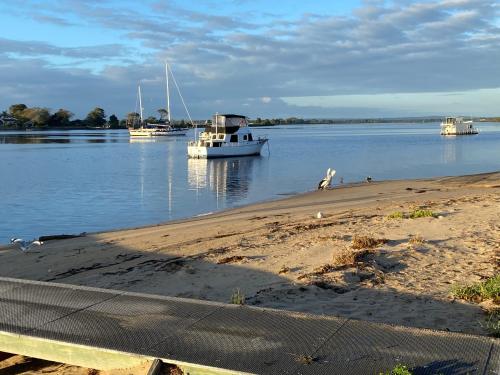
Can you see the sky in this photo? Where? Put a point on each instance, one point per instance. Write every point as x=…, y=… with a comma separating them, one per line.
x=260, y=58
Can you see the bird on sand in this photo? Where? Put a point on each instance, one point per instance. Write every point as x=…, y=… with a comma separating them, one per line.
x=327, y=180
x=369, y=179
x=25, y=245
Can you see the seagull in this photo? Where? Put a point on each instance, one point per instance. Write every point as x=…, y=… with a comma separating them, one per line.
x=319, y=215
x=369, y=179
x=25, y=245
x=325, y=182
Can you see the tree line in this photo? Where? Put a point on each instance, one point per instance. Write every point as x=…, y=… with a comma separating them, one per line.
x=22, y=116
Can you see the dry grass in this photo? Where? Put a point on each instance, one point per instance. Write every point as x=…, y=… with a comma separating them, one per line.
x=416, y=240
x=305, y=359
x=365, y=242
x=283, y=269
x=349, y=257
x=233, y=259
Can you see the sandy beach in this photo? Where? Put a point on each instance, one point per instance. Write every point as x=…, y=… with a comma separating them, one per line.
x=279, y=255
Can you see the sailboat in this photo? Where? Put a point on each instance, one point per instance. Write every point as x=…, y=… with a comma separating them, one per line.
x=161, y=129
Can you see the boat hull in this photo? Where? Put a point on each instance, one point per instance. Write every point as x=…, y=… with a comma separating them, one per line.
x=203, y=152
x=156, y=133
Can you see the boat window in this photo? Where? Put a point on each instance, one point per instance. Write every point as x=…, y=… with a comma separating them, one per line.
x=234, y=138
x=221, y=136
x=214, y=136
x=216, y=144
x=250, y=138
x=245, y=137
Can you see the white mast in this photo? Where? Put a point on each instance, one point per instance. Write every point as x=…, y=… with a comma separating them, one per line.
x=140, y=103
x=168, y=93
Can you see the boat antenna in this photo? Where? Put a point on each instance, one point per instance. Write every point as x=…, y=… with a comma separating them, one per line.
x=140, y=102
x=168, y=93
x=180, y=95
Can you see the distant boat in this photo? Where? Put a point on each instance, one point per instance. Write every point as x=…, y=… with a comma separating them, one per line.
x=457, y=126
x=160, y=129
x=227, y=135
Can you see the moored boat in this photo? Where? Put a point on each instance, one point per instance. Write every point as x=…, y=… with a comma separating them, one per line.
x=227, y=135
x=457, y=126
x=165, y=127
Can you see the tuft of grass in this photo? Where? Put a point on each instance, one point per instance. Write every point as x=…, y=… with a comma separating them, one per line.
x=237, y=298
x=305, y=359
x=396, y=215
x=492, y=324
x=232, y=259
x=398, y=370
x=284, y=269
x=416, y=239
x=487, y=289
x=349, y=257
x=415, y=214
x=365, y=242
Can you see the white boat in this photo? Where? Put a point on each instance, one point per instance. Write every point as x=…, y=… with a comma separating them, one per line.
x=457, y=126
x=162, y=129
x=228, y=135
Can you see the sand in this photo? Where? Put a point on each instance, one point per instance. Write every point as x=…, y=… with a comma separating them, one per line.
x=278, y=254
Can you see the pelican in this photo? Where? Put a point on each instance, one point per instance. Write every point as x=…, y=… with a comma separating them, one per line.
x=325, y=182
x=25, y=245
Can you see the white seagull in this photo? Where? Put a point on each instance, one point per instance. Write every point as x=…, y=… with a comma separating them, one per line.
x=325, y=182
x=25, y=245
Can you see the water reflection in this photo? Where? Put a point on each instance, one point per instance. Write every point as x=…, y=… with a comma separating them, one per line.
x=39, y=138
x=228, y=178
x=452, y=150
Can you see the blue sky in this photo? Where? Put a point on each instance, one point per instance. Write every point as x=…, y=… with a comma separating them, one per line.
x=259, y=58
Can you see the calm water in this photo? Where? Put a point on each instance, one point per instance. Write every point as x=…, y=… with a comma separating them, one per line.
x=70, y=182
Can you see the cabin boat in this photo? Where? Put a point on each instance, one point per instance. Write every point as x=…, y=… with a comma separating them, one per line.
x=457, y=126
x=161, y=129
x=228, y=135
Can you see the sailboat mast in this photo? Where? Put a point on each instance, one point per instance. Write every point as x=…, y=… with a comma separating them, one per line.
x=168, y=93
x=140, y=103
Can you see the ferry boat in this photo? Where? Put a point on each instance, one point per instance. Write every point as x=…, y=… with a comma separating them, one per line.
x=228, y=135
x=157, y=130
x=457, y=126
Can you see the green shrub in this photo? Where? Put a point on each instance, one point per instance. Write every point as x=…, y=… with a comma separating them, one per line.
x=396, y=215
x=398, y=370
x=487, y=289
x=422, y=213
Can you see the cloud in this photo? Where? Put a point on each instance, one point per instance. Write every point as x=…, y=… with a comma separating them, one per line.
x=381, y=48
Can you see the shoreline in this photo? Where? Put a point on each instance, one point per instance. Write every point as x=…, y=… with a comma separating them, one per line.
x=280, y=256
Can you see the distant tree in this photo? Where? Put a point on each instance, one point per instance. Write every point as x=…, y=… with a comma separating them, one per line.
x=60, y=118
x=113, y=122
x=133, y=120
x=16, y=109
x=258, y=120
x=96, y=118
x=39, y=117
x=163, y=114
x=151, y=120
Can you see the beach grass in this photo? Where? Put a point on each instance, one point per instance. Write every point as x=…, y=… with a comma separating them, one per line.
x=492, y=324
x=396, y=215
x=398, y=370
x=366, y=242
x=237, y=297
x=482, y=291
x=421, y=213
